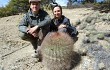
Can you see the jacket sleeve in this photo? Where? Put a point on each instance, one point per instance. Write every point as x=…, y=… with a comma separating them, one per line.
x=71, y=29
x=67, y=22
x=46, y=21
x=23, y=24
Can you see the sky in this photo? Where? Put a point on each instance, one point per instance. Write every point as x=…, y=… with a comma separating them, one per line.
x=61, y=2
x=64, y=2
x=3, y=2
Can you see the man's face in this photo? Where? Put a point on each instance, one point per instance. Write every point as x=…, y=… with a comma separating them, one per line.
x=57, y=12
x=35, y=6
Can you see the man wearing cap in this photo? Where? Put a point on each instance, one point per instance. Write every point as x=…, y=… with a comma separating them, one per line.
x=35, y=25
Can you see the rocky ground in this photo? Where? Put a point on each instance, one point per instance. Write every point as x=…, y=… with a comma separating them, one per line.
x=92, y=48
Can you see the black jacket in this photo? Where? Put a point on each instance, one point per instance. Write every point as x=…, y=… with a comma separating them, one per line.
x=63, y=20
x=55, y=23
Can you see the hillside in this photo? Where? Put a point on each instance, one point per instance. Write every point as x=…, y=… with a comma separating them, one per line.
x=92, y=47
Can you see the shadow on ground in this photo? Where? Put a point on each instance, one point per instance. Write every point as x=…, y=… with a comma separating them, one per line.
x=76, y=58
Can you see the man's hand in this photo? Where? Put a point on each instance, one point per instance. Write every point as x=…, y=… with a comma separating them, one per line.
x=32, y=31
x=35, y=34
x=61, y=26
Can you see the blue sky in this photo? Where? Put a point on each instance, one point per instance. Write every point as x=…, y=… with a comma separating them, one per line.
x=61, y=2
x=64, y=2
x=3, y=2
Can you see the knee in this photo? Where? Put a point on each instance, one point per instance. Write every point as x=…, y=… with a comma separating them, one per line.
x=23, y=36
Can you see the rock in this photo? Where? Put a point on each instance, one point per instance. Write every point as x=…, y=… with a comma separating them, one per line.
x=108, y=16
x=107, y=34
x=101, y=66
x=104, y=17
x=93, y=21
x=93, y=39
x=77, y=22
x=86, y=40
x=14, y=68
x=82, y=51
x=89, y=19
x=90, y=27
x=82, y=25
x=100, y=36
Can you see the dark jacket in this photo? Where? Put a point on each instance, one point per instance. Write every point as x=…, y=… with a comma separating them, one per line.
x=42, y=19
x=63, y=20
x=55, y=23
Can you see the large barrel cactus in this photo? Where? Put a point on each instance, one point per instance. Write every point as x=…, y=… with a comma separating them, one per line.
x=56, y=50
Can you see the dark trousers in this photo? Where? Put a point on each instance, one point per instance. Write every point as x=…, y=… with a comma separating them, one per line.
x=35, y=41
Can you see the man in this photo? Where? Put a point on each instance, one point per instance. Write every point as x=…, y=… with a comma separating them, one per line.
x=34, y=25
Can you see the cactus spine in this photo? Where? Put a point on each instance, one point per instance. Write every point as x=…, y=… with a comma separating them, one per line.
x=56, y=51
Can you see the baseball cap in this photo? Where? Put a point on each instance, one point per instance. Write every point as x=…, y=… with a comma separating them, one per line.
x=34, y=1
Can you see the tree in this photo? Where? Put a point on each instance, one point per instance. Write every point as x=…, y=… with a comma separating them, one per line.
x=90, y=1
x=19, y=5
x=108, y=1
